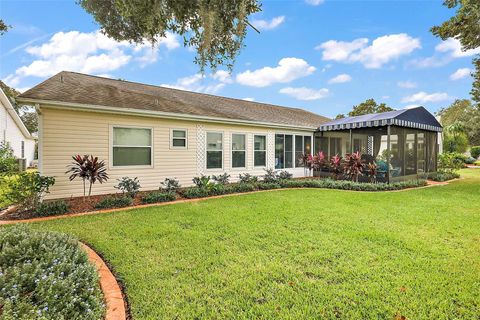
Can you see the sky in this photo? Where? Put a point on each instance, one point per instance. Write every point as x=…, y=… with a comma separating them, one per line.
x=321, y=55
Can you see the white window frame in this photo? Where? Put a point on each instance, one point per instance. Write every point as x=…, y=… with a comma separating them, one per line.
x=253, y=147
x=112, y=127
x=206, y=150
x=244, y=150
x=303, y=146
x=171, y=139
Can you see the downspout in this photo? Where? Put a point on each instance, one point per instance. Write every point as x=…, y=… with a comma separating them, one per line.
x=351, y=142
x=388, y=154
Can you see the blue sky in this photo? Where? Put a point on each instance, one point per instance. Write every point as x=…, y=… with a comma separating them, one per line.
x=324, y=56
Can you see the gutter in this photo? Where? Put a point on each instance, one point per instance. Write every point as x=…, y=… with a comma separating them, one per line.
x=157, y=114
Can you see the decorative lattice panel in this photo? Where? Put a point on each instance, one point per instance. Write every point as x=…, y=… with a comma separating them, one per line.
x=370, y=145
x=201, y=151
x=271, y=149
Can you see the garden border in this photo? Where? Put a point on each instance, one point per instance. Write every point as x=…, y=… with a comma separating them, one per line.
x=112, y=293
x=430, y=183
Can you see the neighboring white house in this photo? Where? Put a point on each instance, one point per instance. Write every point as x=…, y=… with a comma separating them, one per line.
x=14, y=132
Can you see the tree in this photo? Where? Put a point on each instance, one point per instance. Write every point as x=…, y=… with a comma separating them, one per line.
x=454, y=138
x=3, y=27
x=462, y=113
x=214, y=28
x=367, y=107
x=28, y=115
x=465, y=27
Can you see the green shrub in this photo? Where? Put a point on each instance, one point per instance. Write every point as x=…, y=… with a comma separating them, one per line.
x=270, y=176
x=128, y=186
x=450, y=162
x=114, y=202
x=170, y=185
x=221, y=178
x=240, y=187
x=46, y=275
x=475, y=152
x=8, y=162
x=470, y=160
x=443, y=176
x=28, y=189
x=154, y=197
x=247, y=178
x=202, y=181
x=195, y=192
x=268, y=185
x=284, y=175
x=52, y=208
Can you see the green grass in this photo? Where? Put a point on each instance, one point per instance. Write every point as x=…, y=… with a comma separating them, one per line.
x=298, y=254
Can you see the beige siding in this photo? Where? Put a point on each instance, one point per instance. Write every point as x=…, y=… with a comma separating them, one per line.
x=66, y=133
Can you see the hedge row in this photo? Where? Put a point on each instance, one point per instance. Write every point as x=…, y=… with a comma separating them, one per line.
x=46, y=275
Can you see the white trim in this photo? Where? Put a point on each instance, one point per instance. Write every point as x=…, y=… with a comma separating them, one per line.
x=265, y=150
x=11, y=111
x=40, y=139
x=171, y=139
x=206, y=150
x=111, y=146
x=160, y=114
x=244, y=150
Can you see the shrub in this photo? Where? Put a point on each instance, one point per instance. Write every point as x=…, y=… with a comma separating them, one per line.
x=170, y=185
x=270, y=176
x=336, y=166
x=470, y=160
x=52, y=208
x=284, y=175
x=46, y=275
x=128, y=186
x=87, y=168
x=221, y=178
x=240, y=187
x=443, y=176
x=195, y=192
x=372, y=171
x=268, y=185
x=450, y=162
x=318, y=161
x=475, y=152
x=8, y=162
x=28, y=189
x=154, y=197
x=247, y=178
x=353, y=165
x=114, y=202
x=202, y=181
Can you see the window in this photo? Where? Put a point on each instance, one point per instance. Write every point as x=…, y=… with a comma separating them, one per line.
x=283, y=151
x=179, y=139
x=302, y=146
x=260, y=151
x=214, y=150
x=238, y=151
x=132, y=147
x=335, y=146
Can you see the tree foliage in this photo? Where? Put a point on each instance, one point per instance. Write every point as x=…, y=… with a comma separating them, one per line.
x=28, y=114
x=465, y=27
x=3, y=27
x=464, y=117
x=366, y=107
x=214, y=28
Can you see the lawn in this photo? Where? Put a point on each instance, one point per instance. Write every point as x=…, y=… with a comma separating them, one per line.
x=298, y=254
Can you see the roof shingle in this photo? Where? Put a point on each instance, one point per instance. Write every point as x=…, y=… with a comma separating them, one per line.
x=77, y=88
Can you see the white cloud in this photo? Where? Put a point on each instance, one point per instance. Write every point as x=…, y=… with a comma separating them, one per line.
x=423, y=97
x=91, y=52
x=202, y=83
x=407, y=84
x=306, y=94
x=381, y=51
x=460, y=74
x=288, y=69
x=314, y=2
x=411, y=106
x=454, y=49
x=268, y=25
x=249, y=99
x=341, y=78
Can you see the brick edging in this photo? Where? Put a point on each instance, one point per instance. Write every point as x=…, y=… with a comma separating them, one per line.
x=112, y=293
x=159, y=204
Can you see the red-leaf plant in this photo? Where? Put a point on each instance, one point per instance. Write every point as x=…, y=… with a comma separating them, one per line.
x=307, y=161
x=372, y=171
x=87, y=168
x=318, y=161
x=353, y=165
x=336, y=166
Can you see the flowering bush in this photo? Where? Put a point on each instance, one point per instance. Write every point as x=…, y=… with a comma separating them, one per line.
x=46, y=275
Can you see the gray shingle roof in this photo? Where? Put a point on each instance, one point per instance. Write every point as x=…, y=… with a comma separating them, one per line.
x=77, y=88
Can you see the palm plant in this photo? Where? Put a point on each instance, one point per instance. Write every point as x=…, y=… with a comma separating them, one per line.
x=336, y=166
x=88, y=168
x=353, y=165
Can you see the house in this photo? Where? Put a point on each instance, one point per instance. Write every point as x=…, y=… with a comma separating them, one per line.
x=14, y=132
x=154, y=133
